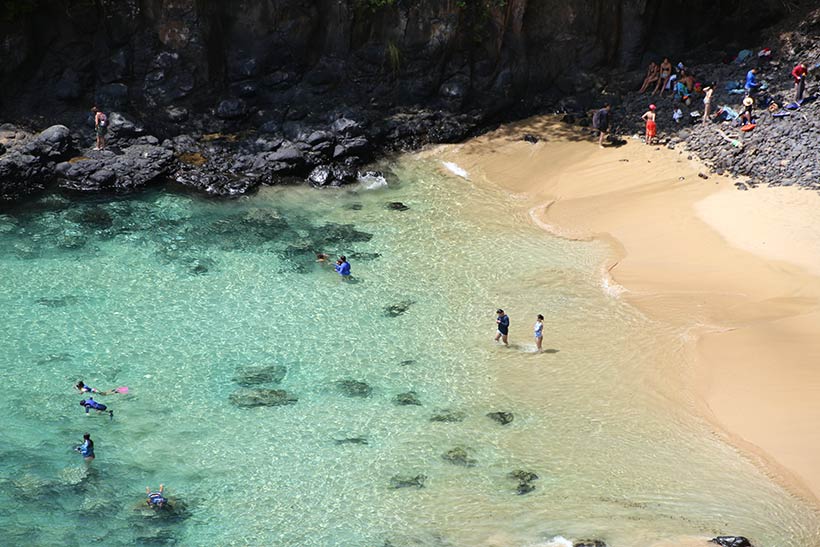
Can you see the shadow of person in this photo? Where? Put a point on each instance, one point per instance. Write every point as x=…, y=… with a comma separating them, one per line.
x=551, y=351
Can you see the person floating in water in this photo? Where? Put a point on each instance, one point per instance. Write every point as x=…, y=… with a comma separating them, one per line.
x=82, y=388
x=322, y=258
x=539, y=331
x=156, y=500
x=86, y=449
x=90, y=404
x=503, y=323
x=343, y=267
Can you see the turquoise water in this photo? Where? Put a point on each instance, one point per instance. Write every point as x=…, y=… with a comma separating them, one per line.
x=175, y=296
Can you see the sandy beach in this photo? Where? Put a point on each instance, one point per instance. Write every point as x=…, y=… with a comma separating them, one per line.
x=739, y=272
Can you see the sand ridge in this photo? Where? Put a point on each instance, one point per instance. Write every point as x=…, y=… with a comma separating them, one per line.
x=739, y=270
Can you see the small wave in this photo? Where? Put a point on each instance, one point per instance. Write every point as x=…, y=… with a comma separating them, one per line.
x=371, y=180
x=610, y=286
x=557, y=541
x=456, y=170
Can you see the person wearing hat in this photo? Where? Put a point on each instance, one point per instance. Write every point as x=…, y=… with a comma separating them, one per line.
x=503, y=322
x=651, y=127
x=747, y=117
x=707, y=102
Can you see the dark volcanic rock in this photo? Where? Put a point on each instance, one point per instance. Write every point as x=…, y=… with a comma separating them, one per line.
x=503, y=418
x=589, y=543
x=53, y=143
x=353, y=388
x=407, y=399
x=407, y=481
x=21, y=175
x=525, y=480
x=731, y=541
x=397, y=206
x=352, y=440
x=247, y=397
x=397, y=309
x=136, y=167
x=253, y=375
x=459, y=456
x=448, y=416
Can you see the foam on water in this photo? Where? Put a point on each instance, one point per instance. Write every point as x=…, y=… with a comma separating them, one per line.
x=456, y=170
x=372, y=181
x=194, y=304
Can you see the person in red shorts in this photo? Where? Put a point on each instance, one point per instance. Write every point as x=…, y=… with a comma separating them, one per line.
x=651, y=126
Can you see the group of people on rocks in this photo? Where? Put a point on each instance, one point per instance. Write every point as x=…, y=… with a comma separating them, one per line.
x=155, y=499
x=682, y=86
x=502, y=322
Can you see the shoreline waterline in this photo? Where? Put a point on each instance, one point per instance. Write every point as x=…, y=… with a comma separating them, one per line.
x=678, y=262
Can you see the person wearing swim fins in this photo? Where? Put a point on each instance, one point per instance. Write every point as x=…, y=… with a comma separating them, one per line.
x=156, y=500
x=90, y=404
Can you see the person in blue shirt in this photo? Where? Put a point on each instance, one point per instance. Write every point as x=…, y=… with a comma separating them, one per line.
x=503, y=322
x=156, y=500
x=86, y=449
x=752, y=85
x=343, y=267
x=539, y=331
x=90, y=404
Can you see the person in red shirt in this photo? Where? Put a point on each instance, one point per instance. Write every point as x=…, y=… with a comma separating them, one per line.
x=799, y=74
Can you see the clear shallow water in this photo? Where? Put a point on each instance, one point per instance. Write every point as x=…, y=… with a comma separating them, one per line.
x=172, y=295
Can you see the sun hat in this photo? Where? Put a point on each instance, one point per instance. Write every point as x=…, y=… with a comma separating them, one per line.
x=652, y=107
x=748, y=101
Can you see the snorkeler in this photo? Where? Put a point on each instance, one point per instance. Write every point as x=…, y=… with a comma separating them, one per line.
x=156, y=500
x=82, y=388
x=90, y=404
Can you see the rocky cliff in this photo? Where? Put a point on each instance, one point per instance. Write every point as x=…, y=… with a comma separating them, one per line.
x=395, y=72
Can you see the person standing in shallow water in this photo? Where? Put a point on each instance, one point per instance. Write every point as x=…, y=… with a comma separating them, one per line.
x=600, y=121
x=343, y=267
x=100, y=127
x=539, y=332
x=503, y=322
x=86, y=449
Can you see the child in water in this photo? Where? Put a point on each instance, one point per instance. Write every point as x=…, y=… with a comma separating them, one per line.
x=539, y=331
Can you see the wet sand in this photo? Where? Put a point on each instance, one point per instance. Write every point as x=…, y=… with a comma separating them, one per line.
x=737, y=272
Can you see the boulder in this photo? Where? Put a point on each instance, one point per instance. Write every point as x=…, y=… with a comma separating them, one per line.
x=525, y=480
x=731, y=541
x=588, y=543
x=254, y=375
x=407, y=481
x=503, y=418
x=459, y=456
x=399, y=308
x=248, y=397
x=51, y=143
x=22, y=174
x=407, y=399
x=136, y=167
x=231, y=109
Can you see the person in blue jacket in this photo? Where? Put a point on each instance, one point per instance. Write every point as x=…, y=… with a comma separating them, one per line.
x=86, y=449
x=503, y=322
x=90, y=404
x=343, y=267
x=156, y=500
x=752, y=85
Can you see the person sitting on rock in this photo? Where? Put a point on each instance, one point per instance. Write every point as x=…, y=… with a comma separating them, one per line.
x=663, y=80
x=156, y=500
x=747, y=116
x=100, y=127
x=652, y=75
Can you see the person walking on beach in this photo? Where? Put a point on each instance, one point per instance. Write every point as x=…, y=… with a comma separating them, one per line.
x=600, y=121
x=799, y=74
x=503, y=322
x=539, y=331
x=707, y=102
x=100, y=127
x=343, y=267
x=86, y=449
x=651, y=127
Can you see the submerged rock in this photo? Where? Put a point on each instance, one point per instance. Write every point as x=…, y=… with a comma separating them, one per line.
x=407, y=399
x=247, y=397
x=254, y=375
x=589, y=543
x=459, y=456
x=354, y=388
x=448, y=416
x=352, y=440
x=397, y=206
x=56, y=302
x=525, y=480
x=406, y=481
x=407, y=362
x=731, y=541
x=501, y=417
x=395, y=310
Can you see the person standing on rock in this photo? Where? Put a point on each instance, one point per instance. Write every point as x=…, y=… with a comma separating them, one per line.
x=600, y=121
x=752, y=85
x=651, y=126
x=799, y=74
x=707, y=102
x=100, y=127
x=503, y=323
